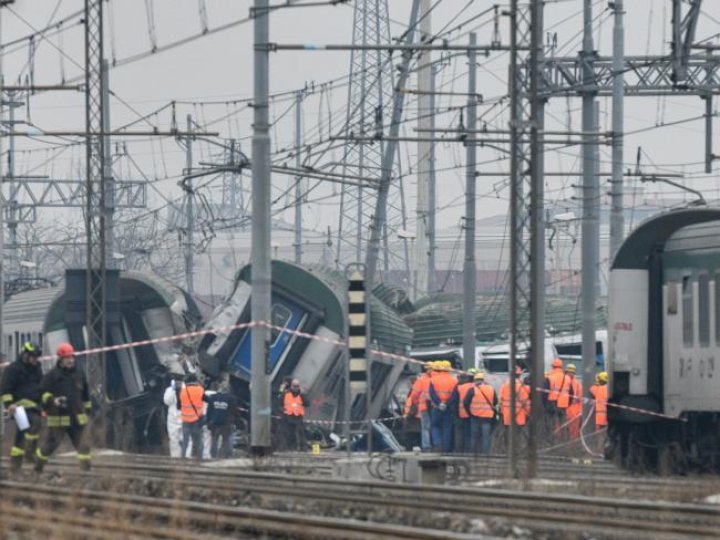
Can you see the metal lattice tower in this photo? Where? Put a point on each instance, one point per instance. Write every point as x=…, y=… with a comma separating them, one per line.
x=95, y=215
x=369, y=100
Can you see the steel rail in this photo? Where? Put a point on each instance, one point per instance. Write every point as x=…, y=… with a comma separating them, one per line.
x=544, y=510
x=203, y=516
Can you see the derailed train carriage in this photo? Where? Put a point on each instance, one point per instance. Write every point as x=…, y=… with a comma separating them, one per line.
x=308, y=300
x=664, y=344
x=147, y=307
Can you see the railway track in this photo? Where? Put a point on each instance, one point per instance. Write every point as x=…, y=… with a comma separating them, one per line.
x=575, y=514
x=101, y=514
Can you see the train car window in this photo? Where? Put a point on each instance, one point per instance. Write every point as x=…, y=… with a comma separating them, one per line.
x=672, y=298
x=704, y=310
x=687, y=299
x=280, y=316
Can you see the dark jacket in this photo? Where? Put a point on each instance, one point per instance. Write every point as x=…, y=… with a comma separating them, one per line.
x=21, y=384
x=221, y=409
x=73, y=386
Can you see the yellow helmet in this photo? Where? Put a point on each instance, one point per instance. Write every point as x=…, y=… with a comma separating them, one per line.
x=428, y=366
x=479, y=376
x=571, y=368
x=602, y=377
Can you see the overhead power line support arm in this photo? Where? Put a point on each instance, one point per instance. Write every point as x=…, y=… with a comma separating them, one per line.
x=684, y=24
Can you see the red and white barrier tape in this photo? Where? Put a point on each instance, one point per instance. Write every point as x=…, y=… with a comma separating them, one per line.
x=382, y=354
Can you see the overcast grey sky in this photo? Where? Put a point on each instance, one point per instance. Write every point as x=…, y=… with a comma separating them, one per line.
x=219, y=67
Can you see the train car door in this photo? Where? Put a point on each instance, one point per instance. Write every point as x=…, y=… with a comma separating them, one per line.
x=286, y=316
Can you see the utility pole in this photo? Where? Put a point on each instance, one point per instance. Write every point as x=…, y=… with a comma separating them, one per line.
x=261, y=231
x=537, y=231
x=189, y=212
x=388, y=158
x=617, y=225
x=432, y=203
x=469, y=269
x=109, y=181
x=515, y=201
x=425, y=149
x=95, y=210
x=2, y=216
x=590, y=204
x=298, y=179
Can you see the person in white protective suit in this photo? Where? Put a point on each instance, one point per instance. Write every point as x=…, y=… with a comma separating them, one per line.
x=174, y=421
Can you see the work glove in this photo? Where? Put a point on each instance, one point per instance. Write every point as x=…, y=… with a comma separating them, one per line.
x=442, y=406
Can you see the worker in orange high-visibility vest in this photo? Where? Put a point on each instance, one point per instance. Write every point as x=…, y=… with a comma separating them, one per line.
x=522, y=401
x=418, y=401
x=192, y=406
x=294, y=404
x=481, y=402
x=462, y=419
x=599, y=392
x=569, y=402
x=442, y=406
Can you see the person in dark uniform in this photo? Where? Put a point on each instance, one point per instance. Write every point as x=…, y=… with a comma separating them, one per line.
x=221, y=409
x=66, y=399
x=20, y=387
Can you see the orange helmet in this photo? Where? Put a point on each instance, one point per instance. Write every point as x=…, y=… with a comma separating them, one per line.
x=557, y=363
x=65, y=349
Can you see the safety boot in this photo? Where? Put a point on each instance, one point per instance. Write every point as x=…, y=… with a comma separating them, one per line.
x=40, y=461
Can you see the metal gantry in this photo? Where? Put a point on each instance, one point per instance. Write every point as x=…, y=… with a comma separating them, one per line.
x=370, y=93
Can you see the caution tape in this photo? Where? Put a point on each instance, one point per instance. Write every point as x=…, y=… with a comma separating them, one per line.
x=305, y=335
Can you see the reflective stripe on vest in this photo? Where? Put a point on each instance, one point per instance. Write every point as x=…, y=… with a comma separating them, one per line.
x=443, y=384
x=191, y=402
x=463, y=389
x=600, y=393
x=293, y=405
x=482, y=402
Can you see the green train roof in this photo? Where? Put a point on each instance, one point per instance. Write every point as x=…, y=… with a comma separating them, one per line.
x=327, y=288
x=438, y=321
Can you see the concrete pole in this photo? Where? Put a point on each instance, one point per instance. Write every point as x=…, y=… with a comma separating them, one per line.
x=617, y=224
x=537, y=233
x=424, y=149
x=388, y=158
x=189, y=212
x=590, y=202
x=515, y=199
x=469, y=268
x=298, y=179
x=3, y=346
x=432, y=203
x=261, y=231
x=13, y=257
x=109, y=208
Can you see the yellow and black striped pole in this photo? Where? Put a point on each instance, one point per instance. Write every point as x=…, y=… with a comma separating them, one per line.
x=359, y=379
x=357, y=333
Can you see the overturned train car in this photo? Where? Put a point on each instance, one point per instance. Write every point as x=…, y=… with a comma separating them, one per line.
x=148, y=307
x=305, y=300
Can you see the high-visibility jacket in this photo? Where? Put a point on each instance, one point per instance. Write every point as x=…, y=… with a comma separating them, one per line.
x=441, y=387
x=418, y=394
x=565, y=391
x=522, y=403
x=482, y=402
x=191, y=402
x=554, y=379
x=462, y=390
x=293, y=405
x=600, y=393
x=575, y=403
